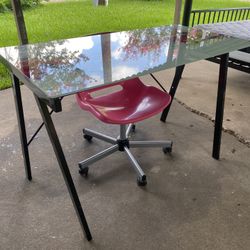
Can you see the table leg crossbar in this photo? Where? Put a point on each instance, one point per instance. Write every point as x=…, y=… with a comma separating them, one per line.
x=38, y=130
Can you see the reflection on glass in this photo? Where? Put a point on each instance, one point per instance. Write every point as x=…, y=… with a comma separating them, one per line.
x=64, y=67
x=106, y=57
x=237, y=29
x=53, y=66
x=151, y=42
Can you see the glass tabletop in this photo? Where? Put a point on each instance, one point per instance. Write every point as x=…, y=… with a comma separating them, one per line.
x=59, y=68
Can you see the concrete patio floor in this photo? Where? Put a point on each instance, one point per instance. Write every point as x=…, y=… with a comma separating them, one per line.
x=191, y=201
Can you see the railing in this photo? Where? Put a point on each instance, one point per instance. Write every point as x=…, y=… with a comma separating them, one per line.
x=211, y=16
x=218, y=15
x=237, y=60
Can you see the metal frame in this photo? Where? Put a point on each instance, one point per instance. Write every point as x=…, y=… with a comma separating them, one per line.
x=179, y=69
x=219, y=15
x=172, y=90
x=221, y=92
x=207, y=16
x=121, y=143
x=233, y=63
x=21, y=125
x=222, y=82
x=56, y=146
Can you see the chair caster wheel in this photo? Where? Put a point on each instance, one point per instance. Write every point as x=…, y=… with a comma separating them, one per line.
x=84, y=171
x=88, y=137
x=133, y=128
x=167, y=150
x=142, y=181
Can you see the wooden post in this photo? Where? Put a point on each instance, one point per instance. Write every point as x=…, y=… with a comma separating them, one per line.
x=19, y=19
x=177, y=13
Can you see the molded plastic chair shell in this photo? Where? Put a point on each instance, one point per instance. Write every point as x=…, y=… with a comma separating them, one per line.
x=133, y=103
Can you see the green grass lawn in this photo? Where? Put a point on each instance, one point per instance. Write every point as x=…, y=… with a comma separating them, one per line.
x=77, y=18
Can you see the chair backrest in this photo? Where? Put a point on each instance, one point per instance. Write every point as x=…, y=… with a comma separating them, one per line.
x=131, y=85
x=218, y=15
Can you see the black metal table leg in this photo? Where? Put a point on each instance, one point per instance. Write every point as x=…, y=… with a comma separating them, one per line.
x=21, y=125
x=220, y=105
x=179, y=69
x=173, y=88
x=63, y=165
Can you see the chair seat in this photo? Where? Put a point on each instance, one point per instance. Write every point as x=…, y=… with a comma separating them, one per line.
x=133, y=103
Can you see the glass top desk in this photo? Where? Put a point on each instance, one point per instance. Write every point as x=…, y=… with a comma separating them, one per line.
x=56, y=69
x=60, y=68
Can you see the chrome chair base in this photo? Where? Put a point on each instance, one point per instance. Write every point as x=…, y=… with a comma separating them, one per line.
x=121, y=143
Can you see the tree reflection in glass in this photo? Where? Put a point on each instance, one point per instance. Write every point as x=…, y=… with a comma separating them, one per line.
x=155, y=42
x=151, y=41
x=64, y=67
x=54, y=67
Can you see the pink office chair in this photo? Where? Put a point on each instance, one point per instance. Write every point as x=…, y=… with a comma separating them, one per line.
x=133, y=103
